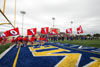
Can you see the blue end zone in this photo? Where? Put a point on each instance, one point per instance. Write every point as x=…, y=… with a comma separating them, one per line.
x=26, y=59
x=8, y=59
x=85, y=59
x=92, y=49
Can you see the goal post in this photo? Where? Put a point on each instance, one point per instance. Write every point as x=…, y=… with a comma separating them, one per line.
x=6, y=18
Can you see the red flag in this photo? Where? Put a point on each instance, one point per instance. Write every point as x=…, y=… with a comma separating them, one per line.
x=69, y=30
x=79, y=30
x=4, y=34
x=45, y=30
x=13, y=32
x=54, y=32
x=31, y=31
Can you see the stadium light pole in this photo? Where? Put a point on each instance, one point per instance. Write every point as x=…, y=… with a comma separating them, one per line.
x=53, y=21
x=23, y=13
x=71, y=25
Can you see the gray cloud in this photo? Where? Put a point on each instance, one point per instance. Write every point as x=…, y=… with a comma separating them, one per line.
x=39, y=14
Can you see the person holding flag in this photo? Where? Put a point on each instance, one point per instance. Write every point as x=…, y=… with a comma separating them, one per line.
x=16, y=40
x=42, y=40
x=20, y=41
x=25, y=40
x=32, y=40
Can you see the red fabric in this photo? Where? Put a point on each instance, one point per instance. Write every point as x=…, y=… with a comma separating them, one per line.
x=40, y=38
x=25, y=38
x=45, y=30
x=5, y=39
x=32, y=31
x=43, y=38
x=4, y=34
x=13, y=40
x=79, y=30
x=20, y=38
x=54, y=32
x=69, y=30
x=13, y=32
x=16, y=39
x=32, y=39
x=1, y=39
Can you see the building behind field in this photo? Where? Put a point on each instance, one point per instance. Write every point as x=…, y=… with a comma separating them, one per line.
x=58, y=30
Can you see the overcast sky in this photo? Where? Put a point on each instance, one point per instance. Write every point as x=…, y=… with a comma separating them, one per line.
x=39, y=14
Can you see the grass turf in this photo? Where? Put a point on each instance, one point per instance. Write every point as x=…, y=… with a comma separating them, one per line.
x=4, y=47
x=92, y=43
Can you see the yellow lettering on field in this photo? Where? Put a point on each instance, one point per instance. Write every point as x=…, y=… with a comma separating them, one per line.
x=95, y=63
x=42, y=47
x=70, y=59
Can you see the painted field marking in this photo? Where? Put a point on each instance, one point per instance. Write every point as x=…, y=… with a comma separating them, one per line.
x=5, y=52
x=77, y=49
x=42, y=47
x=95, y=63
x=70, y=59
x=16, y=58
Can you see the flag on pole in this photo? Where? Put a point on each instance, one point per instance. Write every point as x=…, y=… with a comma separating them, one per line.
x=4, y=34
x=13, y=32
x=45, y=30
x=79, y=30
x=32, y=31
x=54, y=32
x=69, y=31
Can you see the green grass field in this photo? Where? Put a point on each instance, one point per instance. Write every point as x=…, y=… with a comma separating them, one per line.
x=92, y=43
x=4, y=47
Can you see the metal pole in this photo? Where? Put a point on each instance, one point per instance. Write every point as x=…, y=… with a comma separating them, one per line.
x=71, y=25
x=3, y=23
x=15, y=15
x=4, y=6
x=53, y=21
x=22, y=12
x=6, y=18
x=22, y=22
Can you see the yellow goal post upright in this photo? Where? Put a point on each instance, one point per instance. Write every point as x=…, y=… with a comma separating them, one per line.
x=3, y=13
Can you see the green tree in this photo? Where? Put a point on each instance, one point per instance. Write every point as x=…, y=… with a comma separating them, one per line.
x=89, y=35
x=97, y=35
